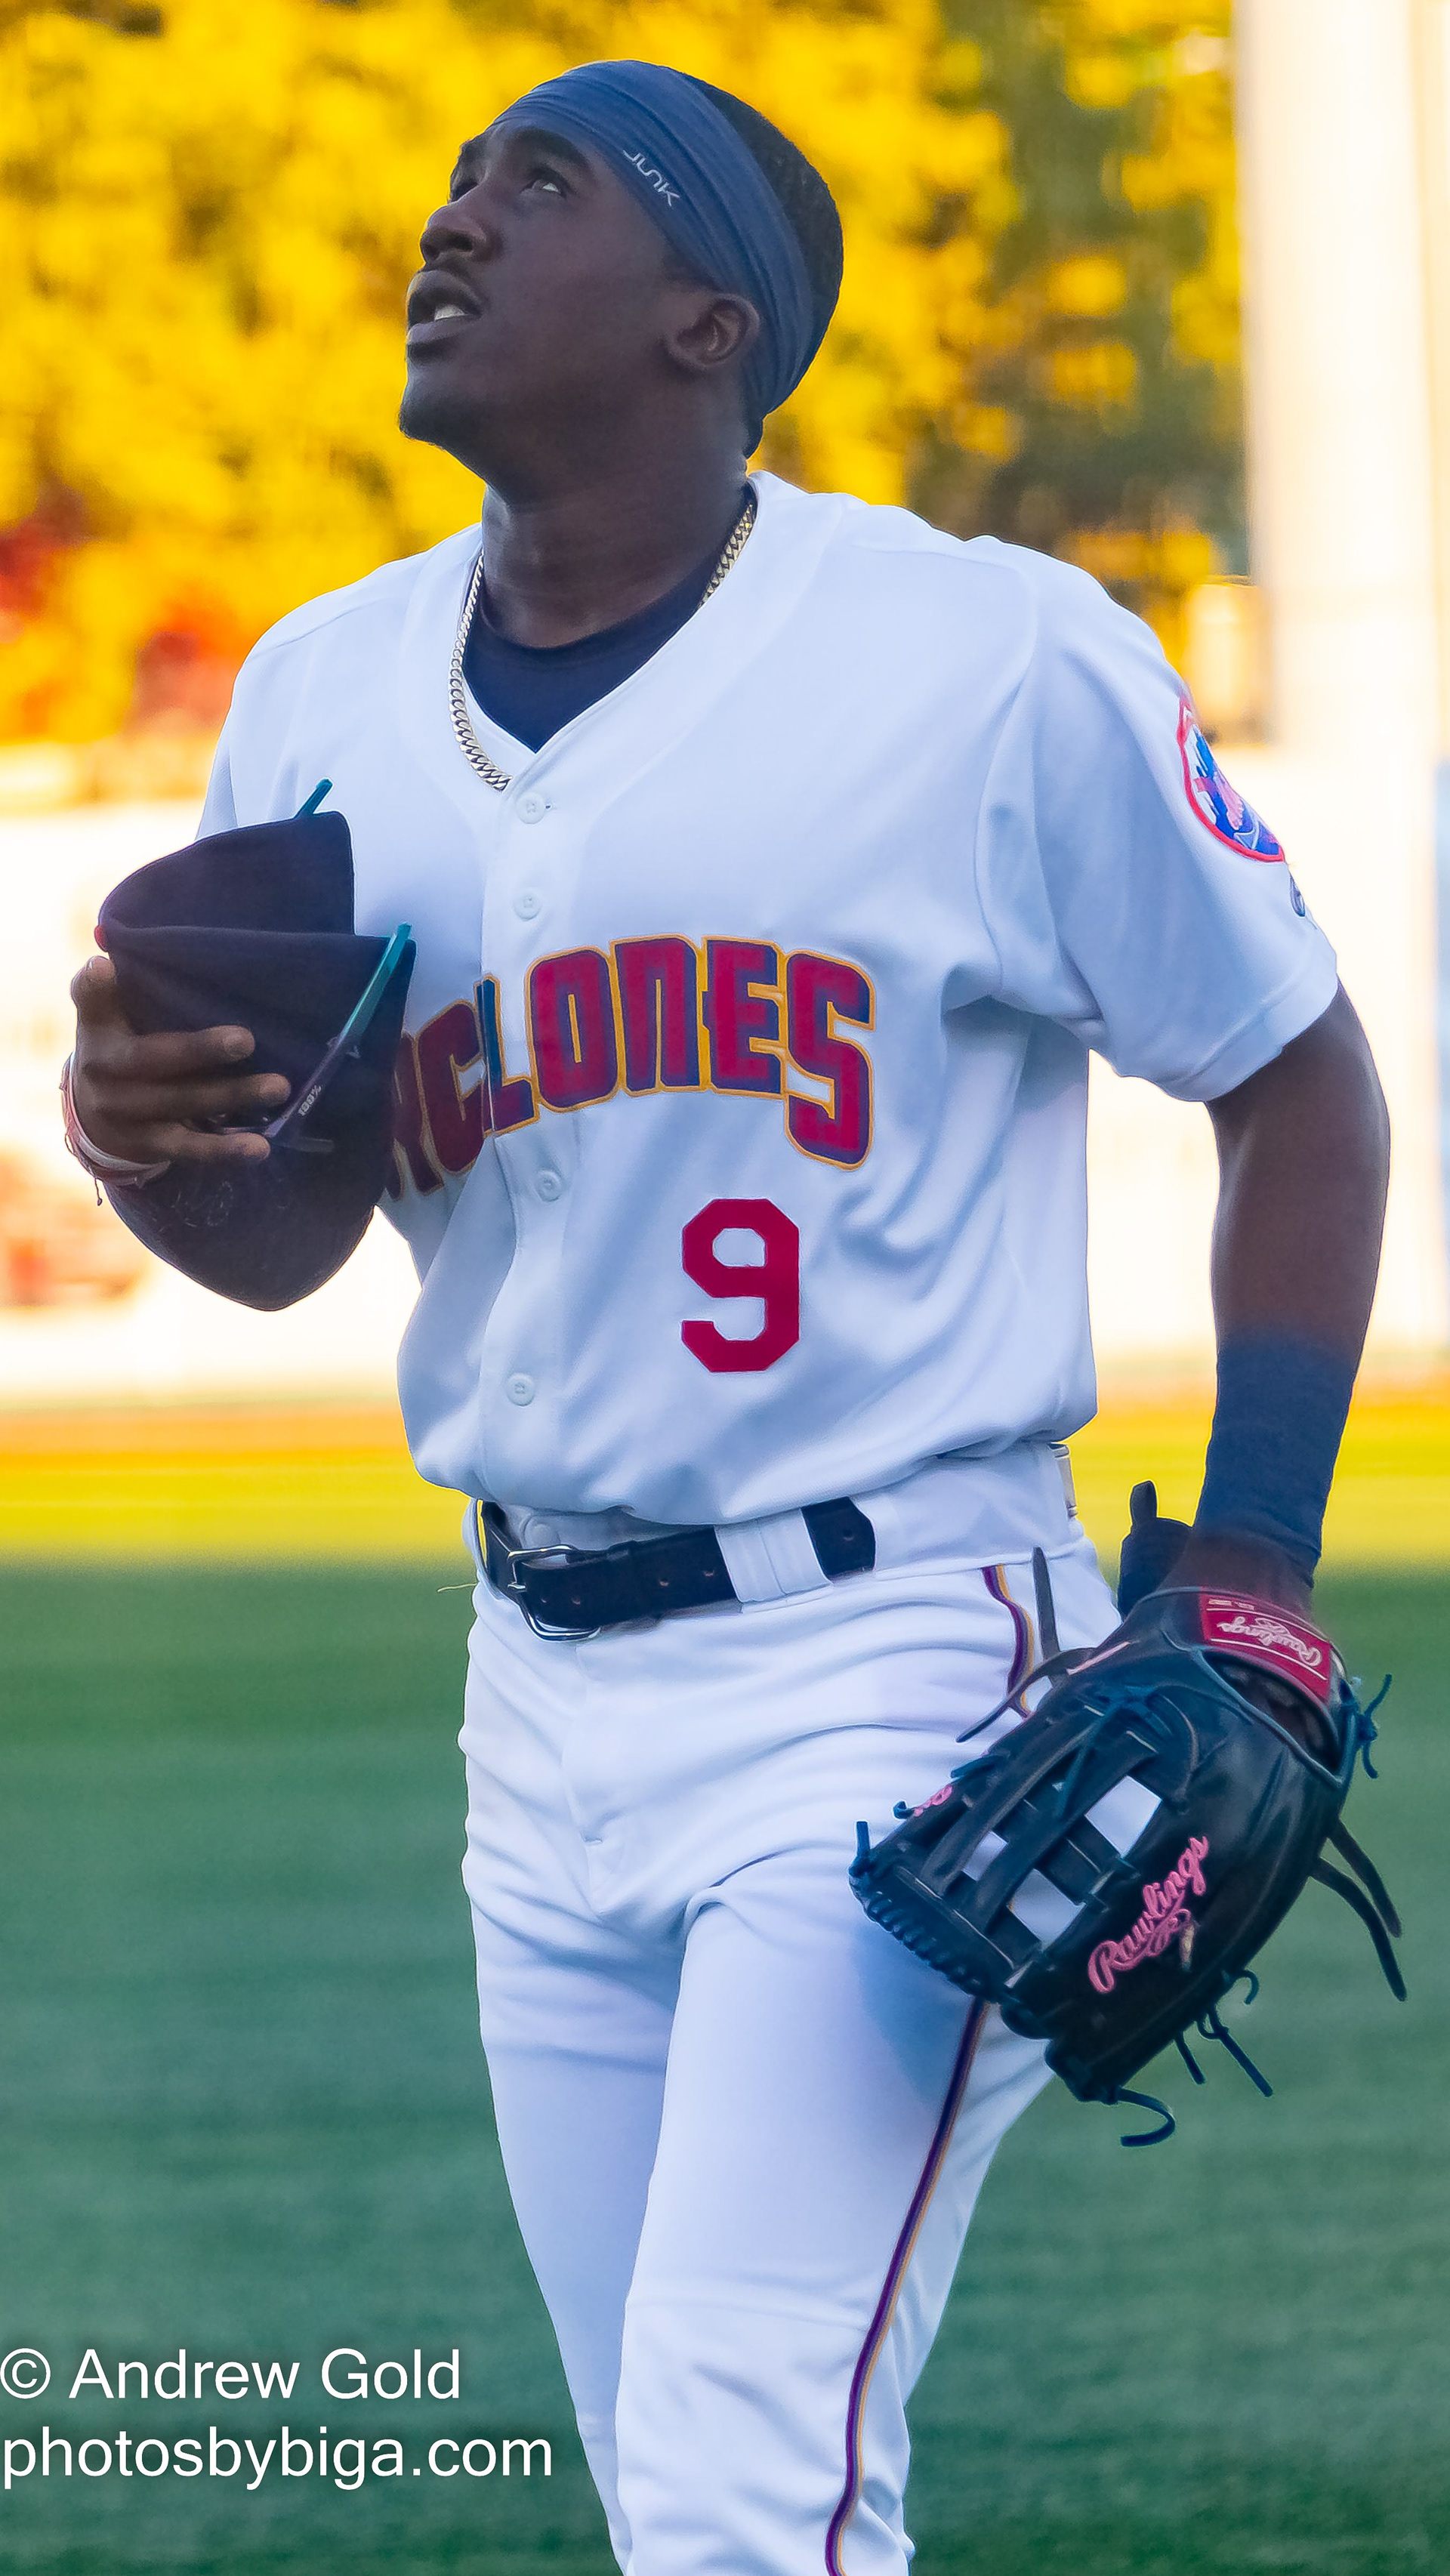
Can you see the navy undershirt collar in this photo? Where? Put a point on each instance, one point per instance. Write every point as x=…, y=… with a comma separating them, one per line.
x=532, y=690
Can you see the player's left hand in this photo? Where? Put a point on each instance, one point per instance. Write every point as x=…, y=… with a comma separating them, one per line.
x=1158, y=1553
x=149, y=1098
x=1214, y=1562
x=1240, y=1721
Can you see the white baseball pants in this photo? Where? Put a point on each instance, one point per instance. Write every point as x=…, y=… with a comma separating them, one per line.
x=744, y=2129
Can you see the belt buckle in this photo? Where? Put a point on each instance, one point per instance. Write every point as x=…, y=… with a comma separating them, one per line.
x=539, y=1556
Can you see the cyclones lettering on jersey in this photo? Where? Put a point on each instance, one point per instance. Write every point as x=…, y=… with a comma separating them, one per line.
x=655, y=1014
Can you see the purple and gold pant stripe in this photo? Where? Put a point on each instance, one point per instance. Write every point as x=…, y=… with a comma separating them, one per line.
x=1024, y=1645
x=1023, y=1650
x=880, y=2325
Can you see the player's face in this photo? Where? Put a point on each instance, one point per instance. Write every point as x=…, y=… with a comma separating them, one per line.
x=544, y=306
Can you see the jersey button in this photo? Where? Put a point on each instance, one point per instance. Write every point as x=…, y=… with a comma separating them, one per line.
x=528, y=904
x=548, y=1184
x=520, y=1389
x=532, y=808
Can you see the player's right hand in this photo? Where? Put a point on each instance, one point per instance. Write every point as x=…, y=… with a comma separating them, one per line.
x=149, y=1098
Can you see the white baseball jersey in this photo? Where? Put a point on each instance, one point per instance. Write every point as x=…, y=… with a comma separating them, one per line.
x=743, y=1098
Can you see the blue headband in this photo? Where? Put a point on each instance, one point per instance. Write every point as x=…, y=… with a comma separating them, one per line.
x=686, y=165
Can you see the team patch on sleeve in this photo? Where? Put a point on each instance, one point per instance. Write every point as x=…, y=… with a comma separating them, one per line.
x=1216, y=803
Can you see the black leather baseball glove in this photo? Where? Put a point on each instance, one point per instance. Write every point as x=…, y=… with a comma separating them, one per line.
x=1240, y=1721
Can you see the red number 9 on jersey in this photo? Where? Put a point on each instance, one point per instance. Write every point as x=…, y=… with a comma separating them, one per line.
x=775, y=1280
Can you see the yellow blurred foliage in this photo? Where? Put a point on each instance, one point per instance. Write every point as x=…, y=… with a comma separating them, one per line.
x=209, y=214
x=1125, y=446
x=1091, y=286
x=1093, y=373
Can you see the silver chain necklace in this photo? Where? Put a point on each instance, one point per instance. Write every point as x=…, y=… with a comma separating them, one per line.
x=468, y=742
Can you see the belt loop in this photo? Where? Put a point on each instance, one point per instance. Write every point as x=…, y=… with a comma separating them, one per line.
x=766, y=1559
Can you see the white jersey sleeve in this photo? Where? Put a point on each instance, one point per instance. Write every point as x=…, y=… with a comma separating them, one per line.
x=1130, y=893
x=219, y=812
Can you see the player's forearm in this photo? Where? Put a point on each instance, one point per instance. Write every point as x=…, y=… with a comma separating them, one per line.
x=1304, y=1160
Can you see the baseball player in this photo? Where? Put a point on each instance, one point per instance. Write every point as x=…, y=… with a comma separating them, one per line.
x=774, y=863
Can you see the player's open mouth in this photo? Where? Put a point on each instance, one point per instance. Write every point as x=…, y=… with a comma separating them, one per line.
x=436, y=309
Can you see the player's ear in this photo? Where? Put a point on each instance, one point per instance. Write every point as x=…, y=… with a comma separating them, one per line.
x=710, y=331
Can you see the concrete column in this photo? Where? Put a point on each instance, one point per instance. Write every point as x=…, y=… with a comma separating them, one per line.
x=1342, y=507
x=1338, y=369
x=1432, y=83
x=1432, y=89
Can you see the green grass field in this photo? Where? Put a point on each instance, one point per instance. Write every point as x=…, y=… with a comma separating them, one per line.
x=243, y=2110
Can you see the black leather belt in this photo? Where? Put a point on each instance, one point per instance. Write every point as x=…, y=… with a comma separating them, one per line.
x=575, y=1592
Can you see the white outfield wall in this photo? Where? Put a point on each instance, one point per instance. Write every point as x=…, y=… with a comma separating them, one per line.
x=1151, y=1163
